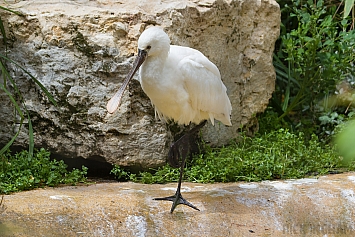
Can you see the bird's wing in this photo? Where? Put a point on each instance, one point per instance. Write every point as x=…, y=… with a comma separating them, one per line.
x=206, y=91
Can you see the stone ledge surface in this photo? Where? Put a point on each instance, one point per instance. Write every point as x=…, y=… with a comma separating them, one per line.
x=304, y=207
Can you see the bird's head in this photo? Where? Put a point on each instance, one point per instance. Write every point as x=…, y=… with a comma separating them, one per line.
x=154, y=41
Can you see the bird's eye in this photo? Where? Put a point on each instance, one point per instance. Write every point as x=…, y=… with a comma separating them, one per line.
x=149, y=47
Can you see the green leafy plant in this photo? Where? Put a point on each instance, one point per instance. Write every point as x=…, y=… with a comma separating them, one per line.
x=333, y=120
x=317, y=55
x=274, y=155
x=161, y=175
x=120, y=173
x=20, y=172
x=278, y=154
x=9, y=86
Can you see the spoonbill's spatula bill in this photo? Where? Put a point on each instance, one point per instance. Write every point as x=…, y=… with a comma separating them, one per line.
x=183, y=85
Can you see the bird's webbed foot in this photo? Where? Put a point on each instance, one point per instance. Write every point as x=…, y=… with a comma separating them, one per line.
x=177, y=199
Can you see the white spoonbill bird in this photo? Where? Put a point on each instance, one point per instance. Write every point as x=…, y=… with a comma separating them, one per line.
x=183, y=85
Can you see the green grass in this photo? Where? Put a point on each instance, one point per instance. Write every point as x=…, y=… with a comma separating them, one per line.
x=279, y=154
x=20, y=172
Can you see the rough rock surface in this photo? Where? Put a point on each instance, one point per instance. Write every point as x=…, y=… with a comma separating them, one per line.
x=81, y=51
x=297, y=208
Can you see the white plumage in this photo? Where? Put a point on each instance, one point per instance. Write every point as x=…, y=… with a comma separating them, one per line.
x=181, y=82
x=183, y=85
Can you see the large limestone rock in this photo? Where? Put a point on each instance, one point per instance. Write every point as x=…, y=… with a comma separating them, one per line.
x=81, y=51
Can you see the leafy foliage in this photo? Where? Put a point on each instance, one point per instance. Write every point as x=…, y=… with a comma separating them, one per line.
x=20, y=172
x=314, y=66
x=274, y=155
x=119, y=173
x=312, y=58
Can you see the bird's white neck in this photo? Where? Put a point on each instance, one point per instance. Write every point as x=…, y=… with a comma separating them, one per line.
x=152, y=68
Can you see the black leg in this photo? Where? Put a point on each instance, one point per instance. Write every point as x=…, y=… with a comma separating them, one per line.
x=177, y=199
x=180, y=150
